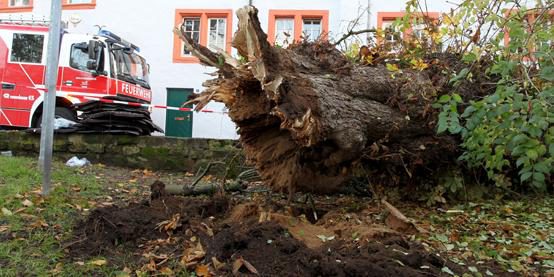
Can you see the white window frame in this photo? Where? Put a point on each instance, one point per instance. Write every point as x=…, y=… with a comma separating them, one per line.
x=13, y=3
x=308, y=28
x=224, y=31
x=280, y=38
x=79, y=1
x=390, y=24
x=197, y=19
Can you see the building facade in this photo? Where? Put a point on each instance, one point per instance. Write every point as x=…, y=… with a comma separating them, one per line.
x=174, y=73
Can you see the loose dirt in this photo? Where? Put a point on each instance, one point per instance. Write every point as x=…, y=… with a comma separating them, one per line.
x=224, y=236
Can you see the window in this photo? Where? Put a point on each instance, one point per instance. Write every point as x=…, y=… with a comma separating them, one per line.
x=79, y=58
x=311, y=29
x=392, y=36
x=546, y=42
x=216, y=34
x=9, y=6
x=27, y=48
x=19, y=3
x=391, y=33
x=211, y=28
x=287, y=26
x=78, y=4
x=284, y=31
x=131, y=66
x=192, y=29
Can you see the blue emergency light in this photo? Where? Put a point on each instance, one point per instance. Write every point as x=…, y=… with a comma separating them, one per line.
x=110, y=35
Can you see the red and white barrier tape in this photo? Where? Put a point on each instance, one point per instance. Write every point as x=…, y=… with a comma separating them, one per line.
x=135, y=104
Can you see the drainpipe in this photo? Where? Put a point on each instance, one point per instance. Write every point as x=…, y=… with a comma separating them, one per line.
x=368, y=23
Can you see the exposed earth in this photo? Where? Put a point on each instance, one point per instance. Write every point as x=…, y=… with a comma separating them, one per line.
x=259, y=235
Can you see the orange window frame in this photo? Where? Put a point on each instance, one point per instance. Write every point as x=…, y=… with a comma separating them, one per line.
x=5, y=7
x=78, y=6
x=204, y=16
x=299, y=16
x=392, y=16
x=530, y=17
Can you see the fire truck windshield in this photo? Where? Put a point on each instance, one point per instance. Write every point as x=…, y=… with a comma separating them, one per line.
x=130, y=67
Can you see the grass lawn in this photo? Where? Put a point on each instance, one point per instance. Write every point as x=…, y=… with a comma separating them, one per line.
x=34, y=229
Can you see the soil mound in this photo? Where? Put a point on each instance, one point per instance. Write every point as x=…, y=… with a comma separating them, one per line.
x=274, y=252
x=108, y=227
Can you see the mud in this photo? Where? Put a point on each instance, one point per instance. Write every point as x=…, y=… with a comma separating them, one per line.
x=137, y=223
x=132, y=236
x=274, y=252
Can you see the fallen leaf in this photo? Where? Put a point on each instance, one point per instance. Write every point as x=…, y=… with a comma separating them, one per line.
x=170, y=224
x=239, y=263
x=217, y=264
x=38, y=224
x=147, y=173
x=151, y=266
x=250, y=267
x=166, y=271
x=447, y=270
x=202, y=271
x=58, y=269
x=122, y=274
x=4, y=228
x=209, y=230
x=325, y=238
x=98, y=262
x=6, y=212
x=193, y=254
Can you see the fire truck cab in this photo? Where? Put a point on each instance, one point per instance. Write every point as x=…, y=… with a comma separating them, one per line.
x=90, y=66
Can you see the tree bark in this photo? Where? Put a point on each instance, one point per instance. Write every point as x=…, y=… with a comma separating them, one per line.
x=307, y=116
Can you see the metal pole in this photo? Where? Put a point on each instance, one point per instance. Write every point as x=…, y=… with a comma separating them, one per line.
x=368, y=23
x=49, y=105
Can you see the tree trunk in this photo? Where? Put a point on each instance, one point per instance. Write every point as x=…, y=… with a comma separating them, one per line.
x=307, y=116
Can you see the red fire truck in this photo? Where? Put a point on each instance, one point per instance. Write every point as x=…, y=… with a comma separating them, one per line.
x=89, y=66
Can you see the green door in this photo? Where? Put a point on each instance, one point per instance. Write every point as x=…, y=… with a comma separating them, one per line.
x=178, y=123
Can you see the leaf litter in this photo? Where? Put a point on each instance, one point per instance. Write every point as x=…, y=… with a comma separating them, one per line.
x=226, y=236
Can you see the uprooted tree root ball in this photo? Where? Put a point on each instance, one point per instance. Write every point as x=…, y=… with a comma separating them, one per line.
x=307, y=116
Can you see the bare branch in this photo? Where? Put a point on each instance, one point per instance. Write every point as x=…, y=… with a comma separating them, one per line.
x=353, y=33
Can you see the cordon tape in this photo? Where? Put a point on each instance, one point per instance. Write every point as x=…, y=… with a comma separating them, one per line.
x=135, y=104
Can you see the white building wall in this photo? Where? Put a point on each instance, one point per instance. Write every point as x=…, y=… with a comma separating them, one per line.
x=149, y=25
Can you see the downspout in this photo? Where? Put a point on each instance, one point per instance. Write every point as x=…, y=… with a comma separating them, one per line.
x=368, y=23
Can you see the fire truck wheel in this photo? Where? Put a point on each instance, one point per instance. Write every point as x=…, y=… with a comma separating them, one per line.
x=60, y=112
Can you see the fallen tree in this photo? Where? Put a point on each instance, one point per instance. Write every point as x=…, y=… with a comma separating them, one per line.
x=307, y=116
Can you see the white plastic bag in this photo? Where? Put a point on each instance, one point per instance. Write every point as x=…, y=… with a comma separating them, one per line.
x=61, y=122
x=76, y=162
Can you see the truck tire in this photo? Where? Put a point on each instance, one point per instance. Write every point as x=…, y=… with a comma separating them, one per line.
x=60, y=112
